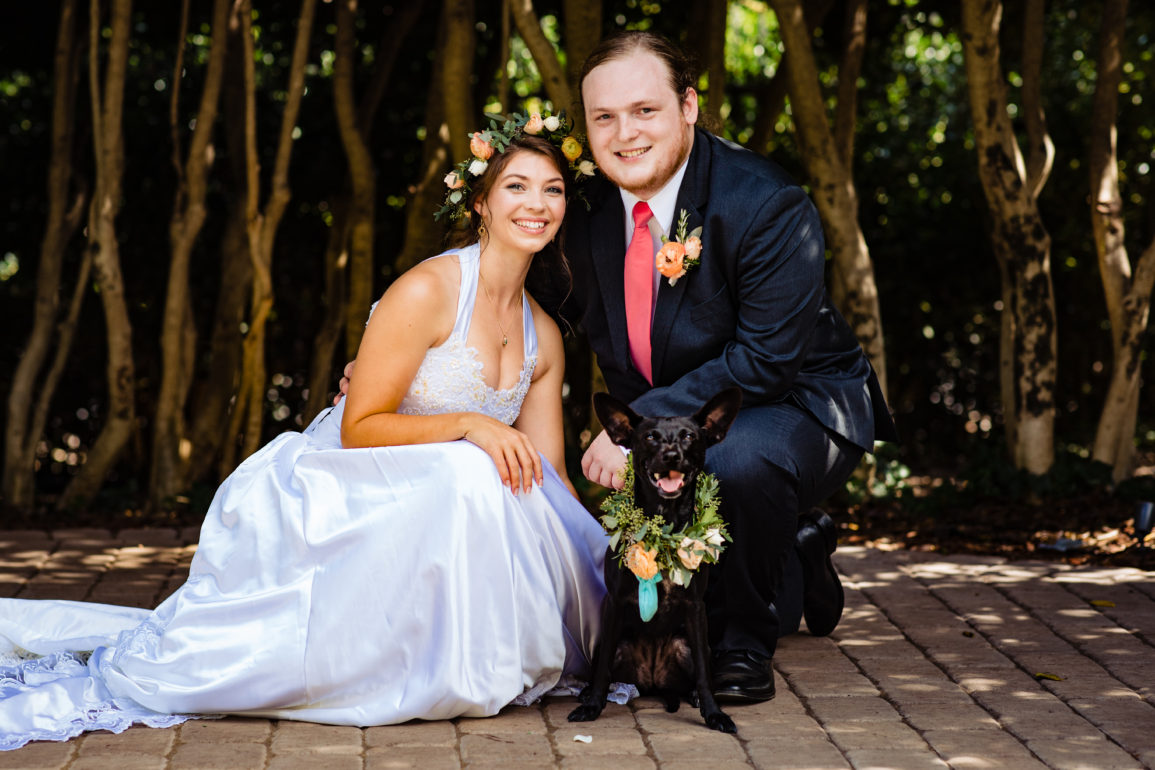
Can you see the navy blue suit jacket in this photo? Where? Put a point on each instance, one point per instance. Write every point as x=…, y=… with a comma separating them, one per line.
x=754, y=313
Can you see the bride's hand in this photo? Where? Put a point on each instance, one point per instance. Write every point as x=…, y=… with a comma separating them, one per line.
x=518, y=463
x=343, y=386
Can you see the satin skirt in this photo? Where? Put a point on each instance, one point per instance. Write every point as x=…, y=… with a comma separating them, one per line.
x=344, y=586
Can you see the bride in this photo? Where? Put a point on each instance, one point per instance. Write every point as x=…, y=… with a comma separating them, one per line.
x=412, y=554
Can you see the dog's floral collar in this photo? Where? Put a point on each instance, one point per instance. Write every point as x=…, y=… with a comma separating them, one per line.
x=681, y=254
x=648, y=547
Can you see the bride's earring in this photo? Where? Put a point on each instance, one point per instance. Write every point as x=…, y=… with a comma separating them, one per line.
x=482, y=233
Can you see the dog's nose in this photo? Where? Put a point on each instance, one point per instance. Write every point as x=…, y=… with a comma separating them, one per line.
x=670, y=455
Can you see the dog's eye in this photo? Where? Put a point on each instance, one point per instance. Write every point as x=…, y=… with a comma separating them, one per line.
x=686, y=437
x=653, y=437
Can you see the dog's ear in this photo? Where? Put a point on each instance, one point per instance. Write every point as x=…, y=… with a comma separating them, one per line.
x=617, y=418
x=719, y=413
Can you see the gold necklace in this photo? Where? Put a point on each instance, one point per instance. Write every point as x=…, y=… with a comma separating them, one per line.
x=496, y=311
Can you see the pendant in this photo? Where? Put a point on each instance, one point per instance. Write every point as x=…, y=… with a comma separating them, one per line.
x=504, y=340
x=648, y=597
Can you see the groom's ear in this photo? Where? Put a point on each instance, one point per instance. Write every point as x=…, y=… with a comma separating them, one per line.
x=690, y=106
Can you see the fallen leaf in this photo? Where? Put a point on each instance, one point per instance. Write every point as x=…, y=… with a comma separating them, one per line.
x=1102, y=602
x=1052, y=677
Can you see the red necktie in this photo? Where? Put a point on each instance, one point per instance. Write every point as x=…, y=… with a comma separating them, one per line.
x=639, y=286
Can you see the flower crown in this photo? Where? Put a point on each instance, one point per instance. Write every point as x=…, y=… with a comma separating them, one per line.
x=502, y=131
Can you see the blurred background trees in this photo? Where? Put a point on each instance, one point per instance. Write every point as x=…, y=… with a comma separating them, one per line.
x=201, y=198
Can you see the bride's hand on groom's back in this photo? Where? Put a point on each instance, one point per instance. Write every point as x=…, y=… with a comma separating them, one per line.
x=518, y=462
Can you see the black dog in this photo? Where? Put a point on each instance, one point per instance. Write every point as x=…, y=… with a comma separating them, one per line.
x=668, y=655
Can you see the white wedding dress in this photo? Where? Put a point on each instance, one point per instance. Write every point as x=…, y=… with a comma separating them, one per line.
x=345, y=586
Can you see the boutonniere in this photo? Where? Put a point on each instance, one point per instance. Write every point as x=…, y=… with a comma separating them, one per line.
x=649, y=547
x=681, y=254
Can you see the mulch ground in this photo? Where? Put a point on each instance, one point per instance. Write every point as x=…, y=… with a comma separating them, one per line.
x=1093, y=527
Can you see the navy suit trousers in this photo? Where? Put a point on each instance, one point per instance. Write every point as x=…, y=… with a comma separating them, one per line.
x=776, y=461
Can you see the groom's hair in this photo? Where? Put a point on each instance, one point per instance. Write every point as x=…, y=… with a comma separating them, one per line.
x=682, y=67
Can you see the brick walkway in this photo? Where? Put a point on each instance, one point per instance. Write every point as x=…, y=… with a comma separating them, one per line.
x=939, y=662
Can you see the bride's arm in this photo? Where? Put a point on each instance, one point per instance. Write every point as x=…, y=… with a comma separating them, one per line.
x=417, y=313
x=541, y=412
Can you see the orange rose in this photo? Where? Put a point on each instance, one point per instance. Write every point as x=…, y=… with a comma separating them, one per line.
x=535, y=124
x=571, y=148
x=669, y=259
x=693, y=247
x=641, y=562
x=479, y=147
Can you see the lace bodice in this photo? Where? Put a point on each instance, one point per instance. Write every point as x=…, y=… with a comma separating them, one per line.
x=450, y=377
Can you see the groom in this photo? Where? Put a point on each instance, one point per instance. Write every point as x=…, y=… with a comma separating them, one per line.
x=752, y=313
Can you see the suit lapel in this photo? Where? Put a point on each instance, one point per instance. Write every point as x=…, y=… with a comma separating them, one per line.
x=607, y=247
x=692, y=198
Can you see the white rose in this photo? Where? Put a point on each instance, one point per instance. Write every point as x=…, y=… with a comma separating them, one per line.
x=714, y=537
x=552, y=123
x=587, y=167
x=477, y=166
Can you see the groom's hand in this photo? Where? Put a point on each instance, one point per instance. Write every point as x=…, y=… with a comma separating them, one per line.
x=603, y=462
x=343, y=385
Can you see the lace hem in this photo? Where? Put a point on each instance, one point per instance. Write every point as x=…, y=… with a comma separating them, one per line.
x=66, y=700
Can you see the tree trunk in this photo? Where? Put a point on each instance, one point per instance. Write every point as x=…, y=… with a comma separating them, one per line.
x=339, y=312
x=770, y=95
x=553, y=79
x=715, y=54
x=28, y=398
x=1128, y=296
x=854, y=289
x=447, y=122
x=583, y=27
x=1021, y=244
x=171, y=446
x=362, y=177
x=262, y=229
x=219, y=372
x=108, y=146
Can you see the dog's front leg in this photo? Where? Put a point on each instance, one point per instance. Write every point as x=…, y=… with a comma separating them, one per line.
x=715, y=718
x=593, y=697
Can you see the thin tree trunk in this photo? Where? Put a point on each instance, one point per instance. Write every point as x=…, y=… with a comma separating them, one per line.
x=583, y=31
x=339, y=311
x=1128, y=296
x=715, y=50
x=447, y=122
x=770, y=96
x=362, y=178
x=262, y=228
x=854, y=289
x=172, y=448
x=108, y=145
x=28, y=398
x=1021, y=244
x=215, y=392
x=552, y=77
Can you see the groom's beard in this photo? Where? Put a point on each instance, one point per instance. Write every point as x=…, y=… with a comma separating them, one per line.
x=671, y=156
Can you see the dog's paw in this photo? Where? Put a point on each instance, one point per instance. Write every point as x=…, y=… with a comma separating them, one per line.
x=585, y=713
x=716, y=721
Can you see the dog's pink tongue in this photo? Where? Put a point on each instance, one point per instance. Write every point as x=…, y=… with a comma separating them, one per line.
x=671, y=483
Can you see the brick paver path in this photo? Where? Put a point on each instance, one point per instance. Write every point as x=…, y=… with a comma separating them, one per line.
x=959, y=662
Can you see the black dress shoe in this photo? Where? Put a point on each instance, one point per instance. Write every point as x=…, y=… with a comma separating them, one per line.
x=822, y=597
x=743, y=676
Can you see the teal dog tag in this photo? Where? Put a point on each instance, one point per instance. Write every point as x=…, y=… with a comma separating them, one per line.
x=648, y=597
